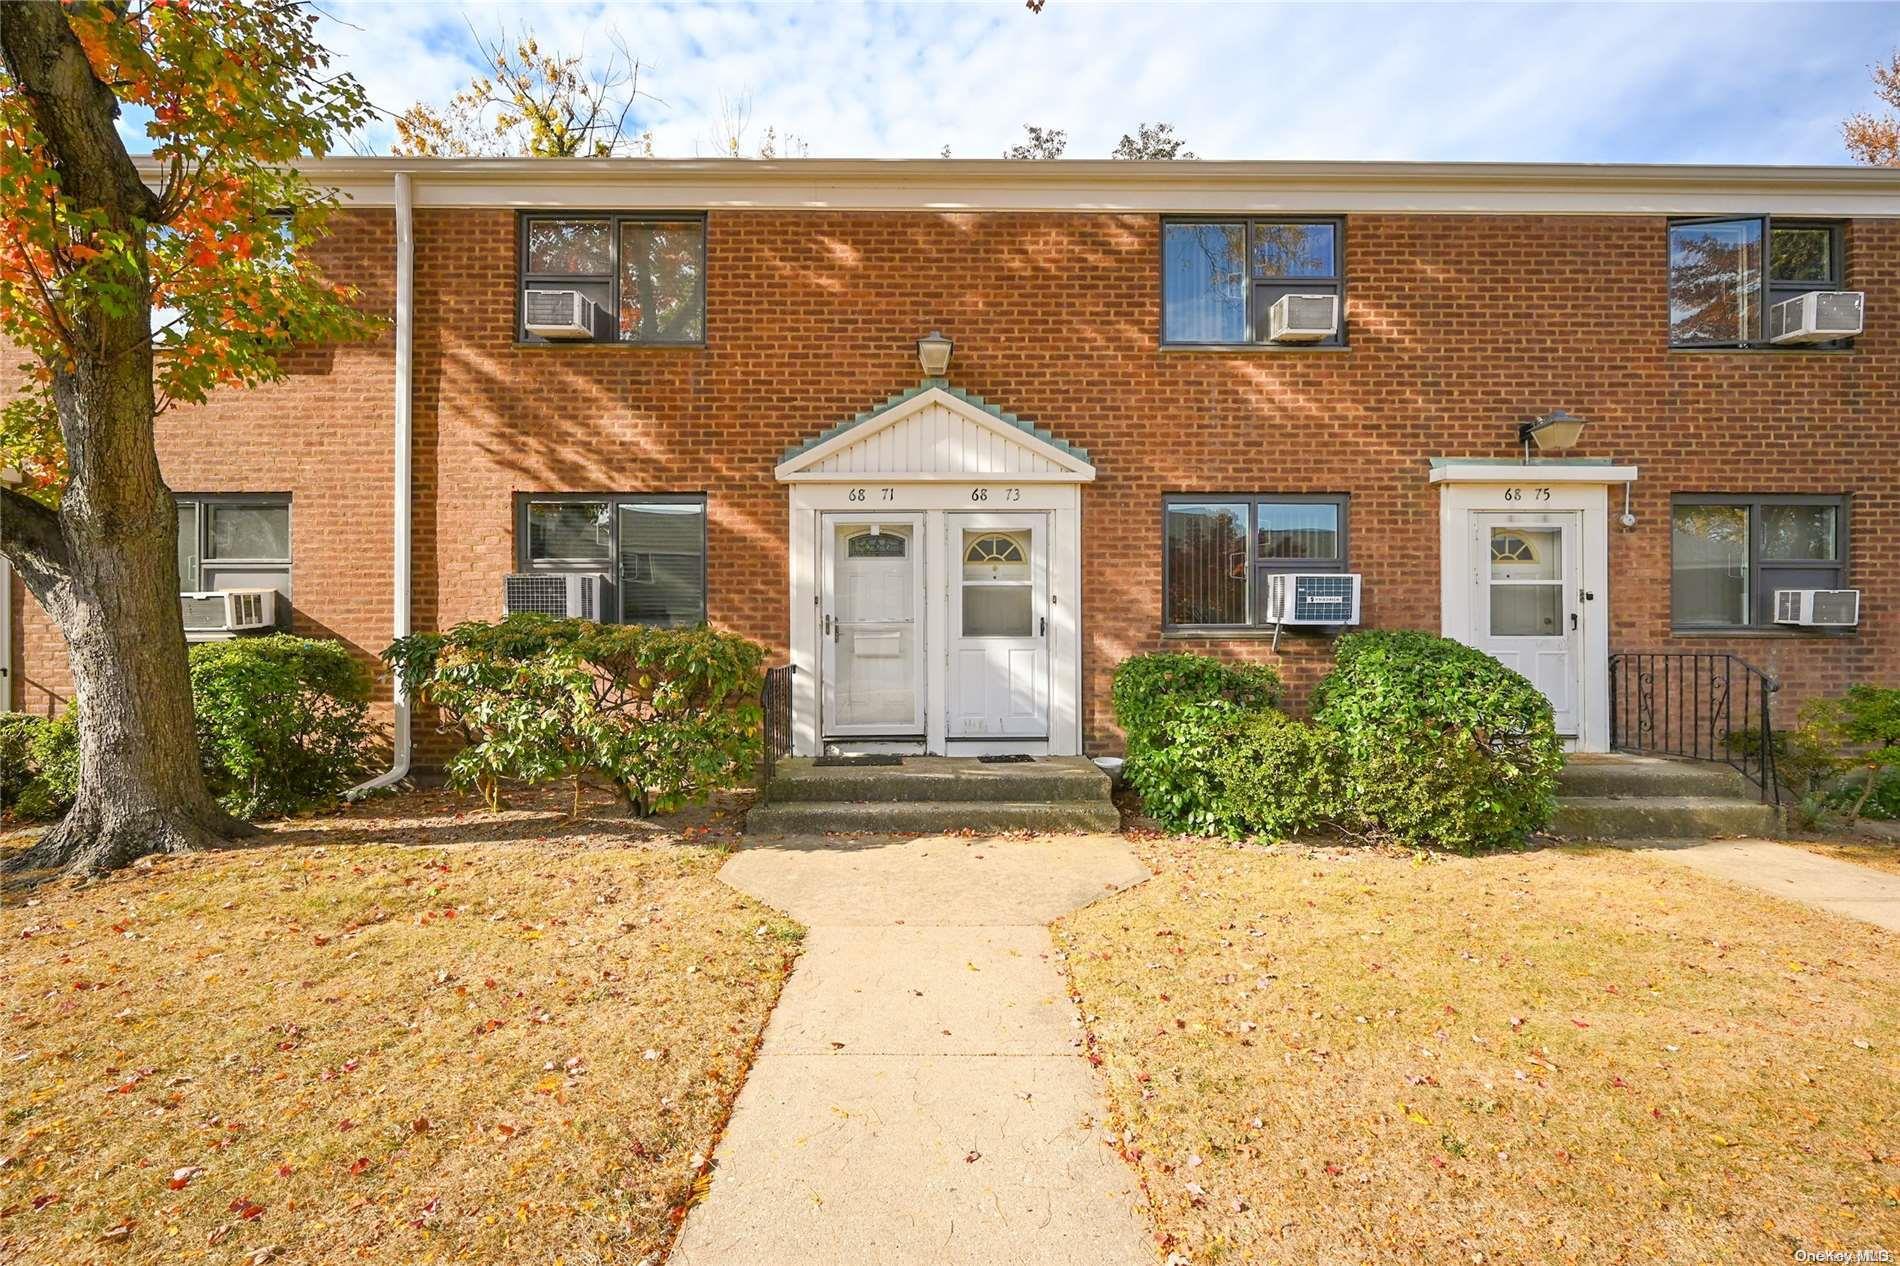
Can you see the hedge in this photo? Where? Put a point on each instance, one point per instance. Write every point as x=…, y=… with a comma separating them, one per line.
x=282, y=726
x=1414, y=738
x=1440, y=743
x=662, y=716
x=1176, y=711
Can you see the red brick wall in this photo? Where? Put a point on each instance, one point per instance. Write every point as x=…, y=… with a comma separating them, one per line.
x=1460, y=328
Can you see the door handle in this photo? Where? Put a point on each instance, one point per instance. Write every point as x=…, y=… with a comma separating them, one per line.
x=1573, y=621
x=1042, y=628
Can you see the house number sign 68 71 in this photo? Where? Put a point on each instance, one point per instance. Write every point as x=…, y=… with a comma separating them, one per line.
x=864, y=494
x=1527, y=494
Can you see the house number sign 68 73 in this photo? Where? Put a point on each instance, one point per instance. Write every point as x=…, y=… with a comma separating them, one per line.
x=1527, y=494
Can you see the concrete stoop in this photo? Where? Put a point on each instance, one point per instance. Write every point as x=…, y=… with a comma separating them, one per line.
x=936, y=794
x=1618, y=797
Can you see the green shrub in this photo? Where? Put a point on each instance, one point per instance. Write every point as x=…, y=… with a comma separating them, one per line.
x=56, y=755
x=282, y=725
x=282, y=721
x=1177, y=712
x=18, y=769
x=39, y=765
x=1276, y=777
x=1441, y=744
x=663, y=716
x=1845, y=754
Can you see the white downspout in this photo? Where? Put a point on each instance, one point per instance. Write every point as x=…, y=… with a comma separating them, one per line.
x=10, y=478
x=405, y=340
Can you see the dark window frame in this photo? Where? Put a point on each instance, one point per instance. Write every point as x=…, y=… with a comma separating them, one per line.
x=611, y=565
x=203, y=503
x=1257, y=567
x=1256, y=334
x=526, y=281
x=1773, y=291
x=1759, y=568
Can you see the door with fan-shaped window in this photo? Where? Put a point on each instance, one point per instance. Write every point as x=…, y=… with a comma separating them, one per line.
x=998, y=684
x=1527, y=586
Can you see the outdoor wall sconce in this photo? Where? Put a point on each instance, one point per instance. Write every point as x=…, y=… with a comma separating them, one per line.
x=933, y=350
x=1552, y=433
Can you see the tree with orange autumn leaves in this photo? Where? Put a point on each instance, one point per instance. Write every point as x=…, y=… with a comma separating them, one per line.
x=1875, y=138
x=134, y=286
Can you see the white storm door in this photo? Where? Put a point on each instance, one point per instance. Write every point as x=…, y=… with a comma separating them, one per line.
x=1526, y=611
x=998, y=568
x=870, y=625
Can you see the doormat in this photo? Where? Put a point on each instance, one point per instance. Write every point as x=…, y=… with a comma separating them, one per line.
x=848, y=761
x=1014, y=758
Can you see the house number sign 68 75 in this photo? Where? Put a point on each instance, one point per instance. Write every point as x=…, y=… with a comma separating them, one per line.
x=1527, y=494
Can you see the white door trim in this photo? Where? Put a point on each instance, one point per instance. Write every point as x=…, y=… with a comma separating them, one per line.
x=1040, y=525
x=1569, y=526
x=828, y=523
x=1502, y=487
x=935, y=501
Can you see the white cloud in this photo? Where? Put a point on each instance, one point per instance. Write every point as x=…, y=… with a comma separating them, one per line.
x=1432, y=81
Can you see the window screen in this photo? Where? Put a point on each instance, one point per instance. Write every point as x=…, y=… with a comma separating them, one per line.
x=650, y=548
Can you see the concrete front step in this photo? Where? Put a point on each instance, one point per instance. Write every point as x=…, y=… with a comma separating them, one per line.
x=939, y=778
x=1661, y=817
x=1619, y=775
x=817, y=817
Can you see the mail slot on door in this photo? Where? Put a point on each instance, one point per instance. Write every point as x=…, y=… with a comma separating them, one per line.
x=877, y=645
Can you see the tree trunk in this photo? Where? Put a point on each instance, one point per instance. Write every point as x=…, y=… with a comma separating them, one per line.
x=115, y=599
x=106, y=567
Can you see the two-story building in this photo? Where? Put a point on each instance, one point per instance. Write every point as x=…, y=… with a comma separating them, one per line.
x=955, y=437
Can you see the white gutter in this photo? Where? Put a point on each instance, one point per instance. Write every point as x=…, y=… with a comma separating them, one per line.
x=403, y=562
x=10, y=478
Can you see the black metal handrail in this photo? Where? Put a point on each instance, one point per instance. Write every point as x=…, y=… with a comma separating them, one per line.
x=776, y=700
x=1702, y=705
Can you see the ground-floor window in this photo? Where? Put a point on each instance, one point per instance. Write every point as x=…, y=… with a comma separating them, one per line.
x=1729, y=554
x=650, y=548
x=231, y=540
x=1217, y=551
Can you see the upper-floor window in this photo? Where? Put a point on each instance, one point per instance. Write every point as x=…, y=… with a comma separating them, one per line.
x=1725, y=274
x=652, y=549
x=233, y=541
x=1221, y=278
x=645, y=274
x=1217, y=551
x=1729, y=554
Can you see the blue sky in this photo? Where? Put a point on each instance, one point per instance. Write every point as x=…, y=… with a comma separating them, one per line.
x=1764, y=83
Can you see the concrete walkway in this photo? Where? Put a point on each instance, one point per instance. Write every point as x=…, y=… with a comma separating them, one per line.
x=920, y=1095
x=1827, y=883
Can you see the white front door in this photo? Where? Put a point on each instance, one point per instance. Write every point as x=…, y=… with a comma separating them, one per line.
x=1527, y=601
x=870, y=615
x=998, y=685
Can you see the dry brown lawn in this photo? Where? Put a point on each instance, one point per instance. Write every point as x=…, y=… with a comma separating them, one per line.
x=1881, y=854
x=409, y=1033
x=1568, y=1055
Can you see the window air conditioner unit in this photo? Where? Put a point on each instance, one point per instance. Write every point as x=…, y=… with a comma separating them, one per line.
x=1303, y=318
x=1313, y=598
x=221, y=613
x=1819, y=316
x=1818, y=608
x=573, y=595
x=559, y=314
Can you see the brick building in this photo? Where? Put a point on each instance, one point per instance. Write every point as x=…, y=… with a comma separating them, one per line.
x=724, y=416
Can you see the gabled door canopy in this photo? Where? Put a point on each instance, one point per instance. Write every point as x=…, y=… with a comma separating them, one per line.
x=935, y=433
